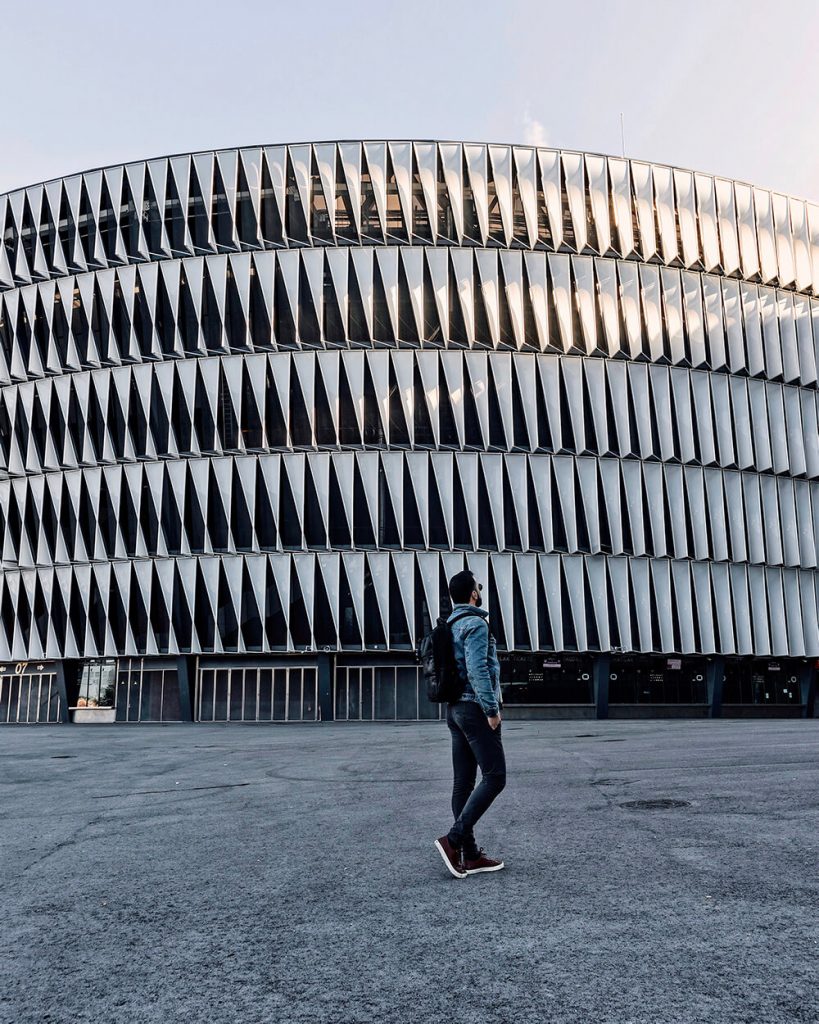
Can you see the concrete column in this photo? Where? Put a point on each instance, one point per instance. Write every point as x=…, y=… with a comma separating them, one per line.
x=714, y=678
x=186, y=678
x=600, y=679
x=67, y=681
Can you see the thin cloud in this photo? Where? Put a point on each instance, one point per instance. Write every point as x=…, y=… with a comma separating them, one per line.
x=534, y=131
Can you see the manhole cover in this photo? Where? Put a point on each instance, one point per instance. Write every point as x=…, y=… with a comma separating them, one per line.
x=654, y=805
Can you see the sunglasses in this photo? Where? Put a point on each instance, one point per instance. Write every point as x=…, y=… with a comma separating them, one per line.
x=479, y=586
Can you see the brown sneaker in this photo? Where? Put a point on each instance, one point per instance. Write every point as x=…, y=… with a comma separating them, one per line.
x=451, y=855
x=481, y=863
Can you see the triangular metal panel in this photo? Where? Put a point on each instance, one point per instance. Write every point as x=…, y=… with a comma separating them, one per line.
x=379, y=565
x=344, y=467
x=426, y=156
x=467, y=466
x=500, y=365
x=561, y=293
x=325, y=154
x=363, y=266
x=354, y=571
x=537, y=278
x=404, y=566
x=412, y=260
x=550, y=575
x=392, y=464
x=576, y=196
x=661, y=583
x=441, y=466
x=350, y=153
x=367, y=463
x=387, y=259
x=638, y=570
x=478, y=181
x=276, y=160
x=487, y=260
x=353, y=366
x=429, y=569
x=666, y=218
x=305, y=565
x=683, y=599
x=501, y=160
x=438, y=264
x=428, y=364
x=526, y=177
x=404, y=370
x=379, y=366
x=502, y=572
x=477, y=370
x=463, y=265
x=512, y=267
x=452, y=161
x=549, y=161
x=516, y=471
x=401, y=158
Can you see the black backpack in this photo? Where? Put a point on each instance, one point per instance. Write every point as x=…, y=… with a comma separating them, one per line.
x=436, y=657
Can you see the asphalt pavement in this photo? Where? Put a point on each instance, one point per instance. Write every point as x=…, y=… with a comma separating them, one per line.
x=656, y=873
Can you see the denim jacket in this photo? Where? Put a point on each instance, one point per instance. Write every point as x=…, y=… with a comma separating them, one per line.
x=479, y=669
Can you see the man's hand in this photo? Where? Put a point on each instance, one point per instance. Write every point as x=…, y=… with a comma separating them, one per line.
x=494, y=720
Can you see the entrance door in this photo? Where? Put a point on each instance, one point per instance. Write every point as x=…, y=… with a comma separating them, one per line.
x=28, y=693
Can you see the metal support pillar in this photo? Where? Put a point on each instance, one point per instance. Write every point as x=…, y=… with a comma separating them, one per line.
x=714, y=678
x=325, y=688
x=600, y=679
x=185, y=677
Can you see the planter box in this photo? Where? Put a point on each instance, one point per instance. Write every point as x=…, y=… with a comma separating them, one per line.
x=96, y=716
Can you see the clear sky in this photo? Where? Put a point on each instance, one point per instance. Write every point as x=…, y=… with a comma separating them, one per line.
x=728, y=86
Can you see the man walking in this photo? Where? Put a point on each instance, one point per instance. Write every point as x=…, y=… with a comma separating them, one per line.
x=474, y=721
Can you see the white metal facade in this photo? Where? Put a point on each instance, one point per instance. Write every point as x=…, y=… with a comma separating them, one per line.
x=269, y=400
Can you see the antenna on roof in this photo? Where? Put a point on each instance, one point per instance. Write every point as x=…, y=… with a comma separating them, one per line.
x=622, y=135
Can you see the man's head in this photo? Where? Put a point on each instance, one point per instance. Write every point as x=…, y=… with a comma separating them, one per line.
x=465, y=589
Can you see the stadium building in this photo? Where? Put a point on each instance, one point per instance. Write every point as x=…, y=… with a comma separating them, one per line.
x=258, y=405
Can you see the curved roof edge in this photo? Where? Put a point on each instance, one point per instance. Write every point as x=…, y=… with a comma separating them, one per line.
x=459, y=142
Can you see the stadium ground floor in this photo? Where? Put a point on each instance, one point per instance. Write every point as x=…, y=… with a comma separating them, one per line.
x=369, y=687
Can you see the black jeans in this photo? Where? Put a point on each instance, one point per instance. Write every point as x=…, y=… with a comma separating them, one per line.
x=474, y=743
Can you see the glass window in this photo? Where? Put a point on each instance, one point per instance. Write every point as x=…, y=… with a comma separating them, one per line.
x=341, y=700
x=279, y=694
x=354, y=693
x=220, y=702
x=251, y=694
x=384, y=693
x=407, y=692
x=309, y=702
x=265, y=694
x=151, y=703
x=366, y=693
x=97, y=686
x=206, y=695
x=171, y=710
x=237, y=695
x=294, y=695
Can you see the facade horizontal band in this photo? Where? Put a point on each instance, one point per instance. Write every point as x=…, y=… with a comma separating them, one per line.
x=408, y=501
x=416, y=400
x=408, y=298
x=381, y=600
x=394, y=193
